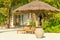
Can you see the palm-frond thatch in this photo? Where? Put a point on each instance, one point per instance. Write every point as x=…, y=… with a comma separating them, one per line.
x=36, y=5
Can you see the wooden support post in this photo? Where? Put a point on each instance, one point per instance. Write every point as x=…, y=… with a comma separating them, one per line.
x=36, y=20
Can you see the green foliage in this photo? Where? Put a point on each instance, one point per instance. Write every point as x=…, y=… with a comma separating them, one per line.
x=55, y=29
x=4, y=10
x=2, y=18
x=45, y=24
x=32, y=23
x=1, y=4
x=55, y=3
x=18, y=3
x=52, y=25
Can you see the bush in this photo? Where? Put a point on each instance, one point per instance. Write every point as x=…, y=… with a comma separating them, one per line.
x=32, y=23
x=55, y=29
x=2, y=19
x=52, y=25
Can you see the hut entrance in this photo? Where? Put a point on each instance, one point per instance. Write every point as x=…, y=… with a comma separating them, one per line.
x=40, y=18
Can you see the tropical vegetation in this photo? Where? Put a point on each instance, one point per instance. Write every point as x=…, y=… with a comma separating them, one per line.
x=52, y=24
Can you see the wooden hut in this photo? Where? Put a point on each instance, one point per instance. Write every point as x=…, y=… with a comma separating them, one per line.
x=29, y=12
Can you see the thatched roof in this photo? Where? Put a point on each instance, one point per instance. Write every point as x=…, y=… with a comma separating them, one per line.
x=36, y=5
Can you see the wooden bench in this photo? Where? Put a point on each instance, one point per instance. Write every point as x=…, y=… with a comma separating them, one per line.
x=27, y=29
x=22, y=31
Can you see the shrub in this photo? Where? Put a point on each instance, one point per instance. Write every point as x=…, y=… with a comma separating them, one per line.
x=32, y=23
x=52, y=25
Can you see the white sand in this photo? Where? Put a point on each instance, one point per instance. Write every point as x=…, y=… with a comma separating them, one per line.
x=12, y=35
